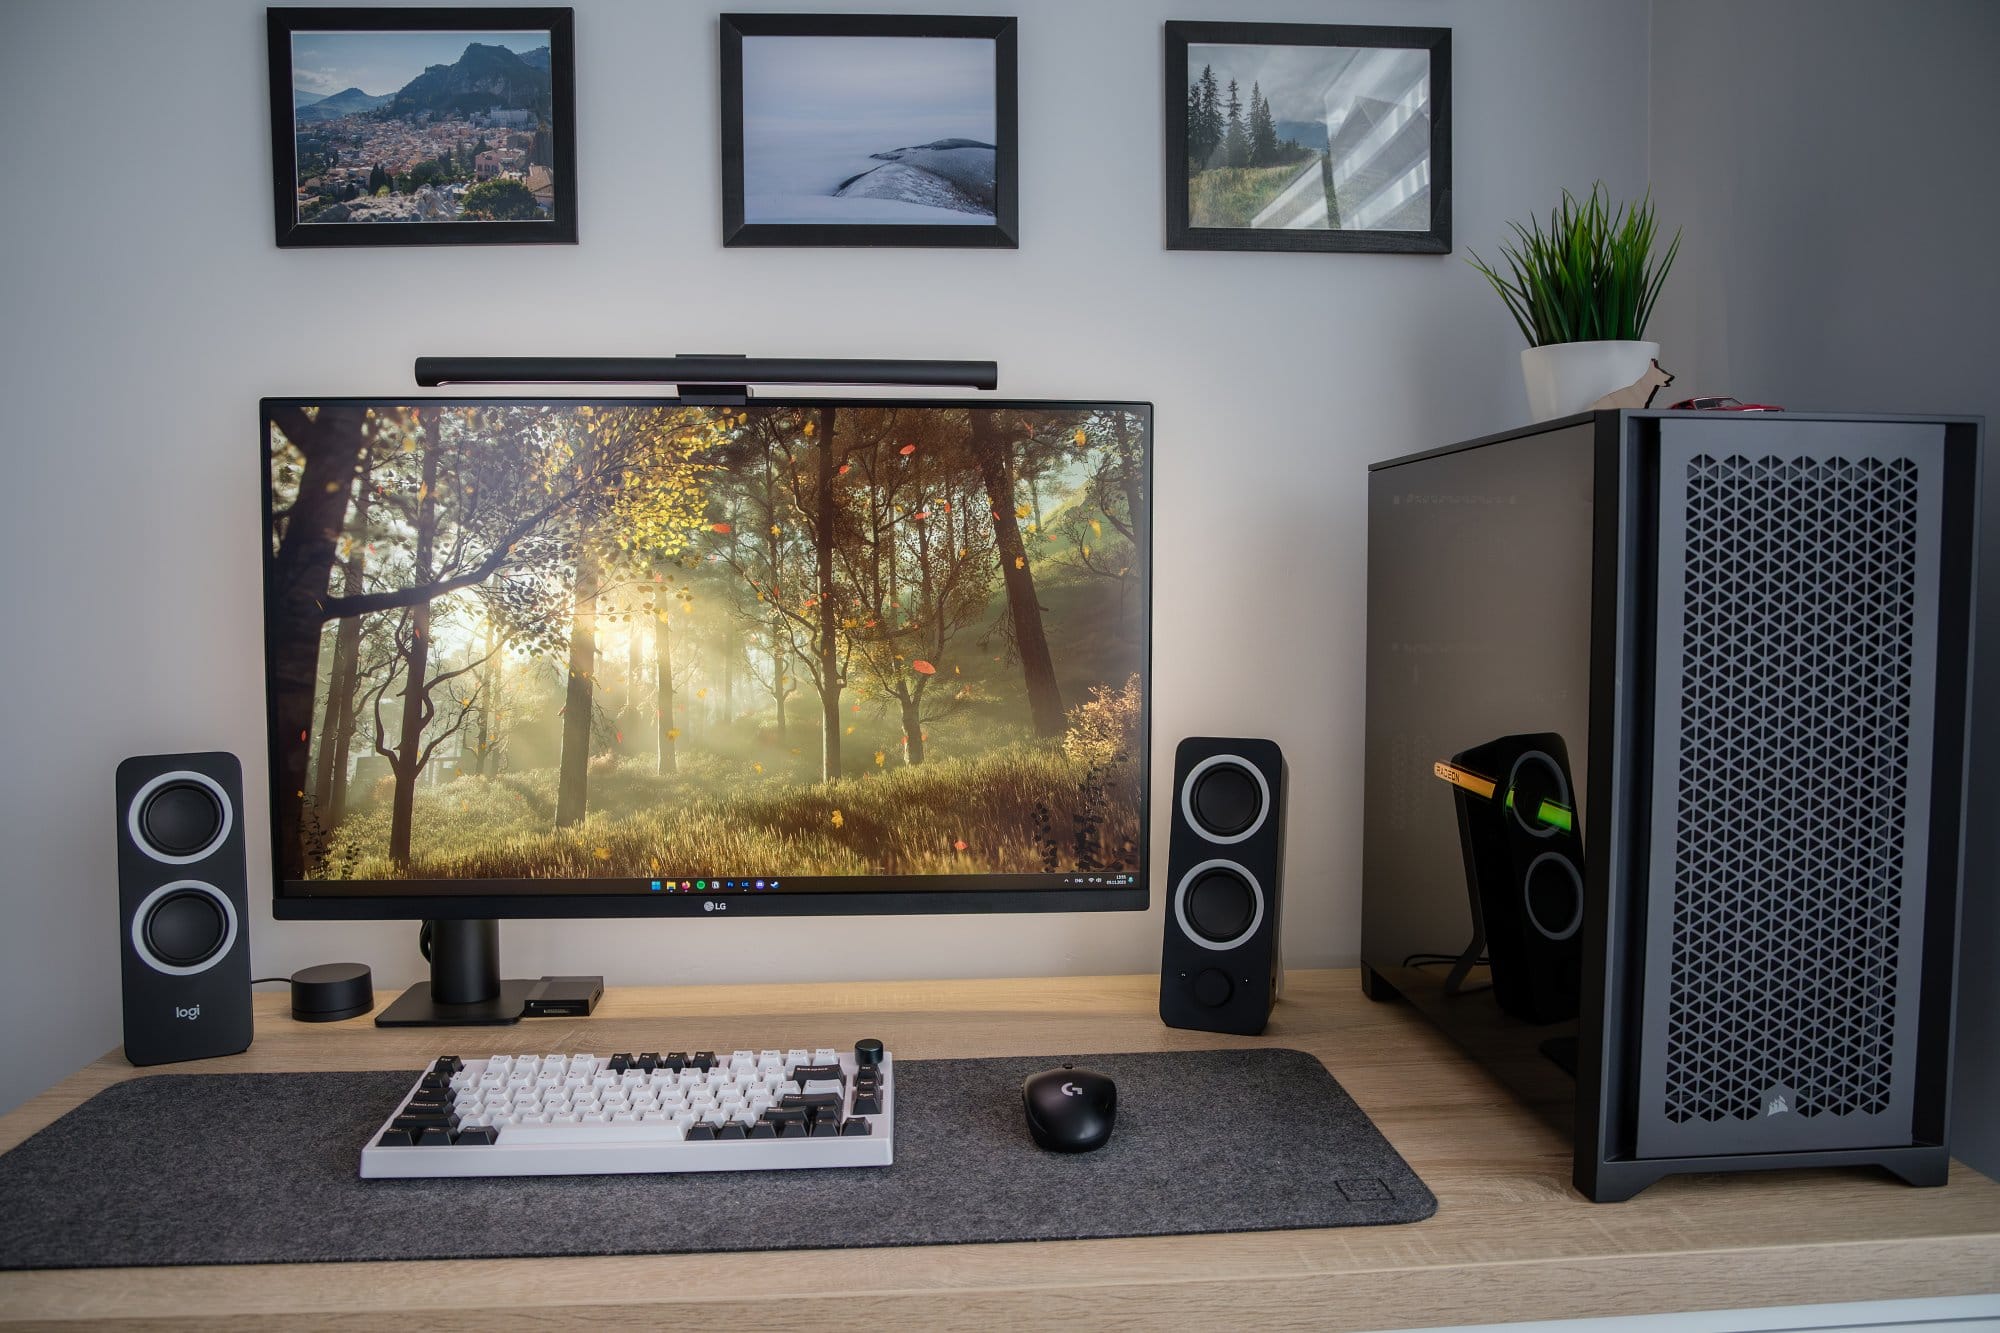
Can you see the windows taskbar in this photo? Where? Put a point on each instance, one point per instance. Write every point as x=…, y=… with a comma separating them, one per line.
x=708, y=885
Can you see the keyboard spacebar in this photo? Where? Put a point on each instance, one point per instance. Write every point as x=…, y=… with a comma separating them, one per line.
x=518, y=1135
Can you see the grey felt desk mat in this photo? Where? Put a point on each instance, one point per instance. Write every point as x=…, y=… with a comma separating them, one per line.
x=260, y=1168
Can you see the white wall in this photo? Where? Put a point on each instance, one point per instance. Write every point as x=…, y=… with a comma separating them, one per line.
x=1832, y=162
x=147, y=309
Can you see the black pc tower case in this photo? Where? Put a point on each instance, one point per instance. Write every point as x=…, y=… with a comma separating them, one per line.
x=1665, y=770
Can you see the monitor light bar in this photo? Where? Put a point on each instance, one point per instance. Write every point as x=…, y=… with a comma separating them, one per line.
x=699, y=371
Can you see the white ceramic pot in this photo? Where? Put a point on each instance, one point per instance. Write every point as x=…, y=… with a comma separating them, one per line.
x=1568, y=377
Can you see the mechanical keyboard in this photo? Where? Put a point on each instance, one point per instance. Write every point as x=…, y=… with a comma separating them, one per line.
x=572, y=1115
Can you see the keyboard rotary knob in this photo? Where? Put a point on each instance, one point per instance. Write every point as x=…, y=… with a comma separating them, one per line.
x=867, y=1052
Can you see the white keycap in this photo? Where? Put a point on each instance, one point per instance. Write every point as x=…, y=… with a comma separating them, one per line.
x=716, y=1116
x=743, y=1116
x=682, y=1119
x=748, y=1059
x=796, y=1057
x=604, y=1133
x=771, y=1060
x=826, y=1055
x=823, y=1085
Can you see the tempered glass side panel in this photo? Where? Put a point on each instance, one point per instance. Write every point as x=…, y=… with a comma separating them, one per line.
x=1479, y=576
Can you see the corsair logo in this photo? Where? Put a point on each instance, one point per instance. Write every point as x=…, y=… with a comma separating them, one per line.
x=189, y=1012
x=1777, y=1106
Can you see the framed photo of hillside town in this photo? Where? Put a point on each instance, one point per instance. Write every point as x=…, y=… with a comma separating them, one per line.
x=1308, y=136
x=423, y=126
x=845, y=129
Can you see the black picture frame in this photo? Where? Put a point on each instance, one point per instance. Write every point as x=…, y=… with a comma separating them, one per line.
x=1002, y=233
x=1182, y=235
x=559, y=228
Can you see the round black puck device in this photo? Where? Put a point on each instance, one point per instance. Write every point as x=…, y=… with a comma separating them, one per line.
x=329, y=992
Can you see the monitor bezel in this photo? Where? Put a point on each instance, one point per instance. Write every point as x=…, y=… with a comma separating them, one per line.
x=530, y=899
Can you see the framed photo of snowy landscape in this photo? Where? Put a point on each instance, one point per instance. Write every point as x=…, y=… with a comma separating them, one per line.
x=841, y=129
x=423, y=126
x=1308, y=136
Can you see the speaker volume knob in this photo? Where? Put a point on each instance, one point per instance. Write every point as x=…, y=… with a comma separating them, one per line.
x=1212, y=988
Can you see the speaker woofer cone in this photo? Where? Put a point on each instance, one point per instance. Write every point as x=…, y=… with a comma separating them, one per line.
x=1552, y=895
x=179, y=818
x=184, y=927
x=1215, y=877
x=1536, y=778
x=1224, y=799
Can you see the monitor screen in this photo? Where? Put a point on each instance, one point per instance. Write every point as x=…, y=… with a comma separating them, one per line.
x=620, y=657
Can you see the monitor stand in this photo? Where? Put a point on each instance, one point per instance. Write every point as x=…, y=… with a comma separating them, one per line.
x=465, y=989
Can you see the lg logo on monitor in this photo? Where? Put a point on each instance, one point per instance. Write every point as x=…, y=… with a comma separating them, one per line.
x=713, y=906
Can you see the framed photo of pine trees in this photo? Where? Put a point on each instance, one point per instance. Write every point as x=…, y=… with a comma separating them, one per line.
x=1308, y=136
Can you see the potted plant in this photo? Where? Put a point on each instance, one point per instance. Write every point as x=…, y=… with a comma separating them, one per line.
x=1582, y=292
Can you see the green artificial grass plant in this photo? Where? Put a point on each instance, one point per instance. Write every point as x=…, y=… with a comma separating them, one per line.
x=1590, y=276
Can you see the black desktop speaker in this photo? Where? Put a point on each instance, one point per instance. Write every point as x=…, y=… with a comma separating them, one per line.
x=1523, y=872
x=1747, y=637
x=1220, y=968
x=183, y=907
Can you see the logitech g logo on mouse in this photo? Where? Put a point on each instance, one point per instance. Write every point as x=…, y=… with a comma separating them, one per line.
x=1071, y=1090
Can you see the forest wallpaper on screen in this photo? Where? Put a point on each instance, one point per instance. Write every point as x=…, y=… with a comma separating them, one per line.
x=526, y=640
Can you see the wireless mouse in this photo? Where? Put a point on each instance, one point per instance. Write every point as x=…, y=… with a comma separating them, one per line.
x=1069, y=1109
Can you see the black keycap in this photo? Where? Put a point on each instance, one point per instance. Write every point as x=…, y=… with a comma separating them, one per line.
x=867, y=1103
x=807, y=1073
x=417, y=1124
x=868, y=1052
x=447, y=1065
x=649, y=1061
x=703, y=1060
x=791, y=1130
x=620, y=1062
x=826, y=1127
x=394, y=1138
x=701, y=1132
x=676, y=1061
x=482, y=1134
x=811, y=1101
x=437, y=1136
x=732, y=1130
x=763, y=1129
x=436, y=1083
x=427, y=1106
x=854, y=1127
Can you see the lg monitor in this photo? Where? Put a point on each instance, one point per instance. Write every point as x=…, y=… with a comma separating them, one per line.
x=648, y=657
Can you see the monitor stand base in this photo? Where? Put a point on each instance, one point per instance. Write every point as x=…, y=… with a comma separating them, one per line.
x=415, y=1008
x=465, y=970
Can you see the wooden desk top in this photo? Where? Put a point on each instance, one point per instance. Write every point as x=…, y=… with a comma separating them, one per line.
x=1510, y=1240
